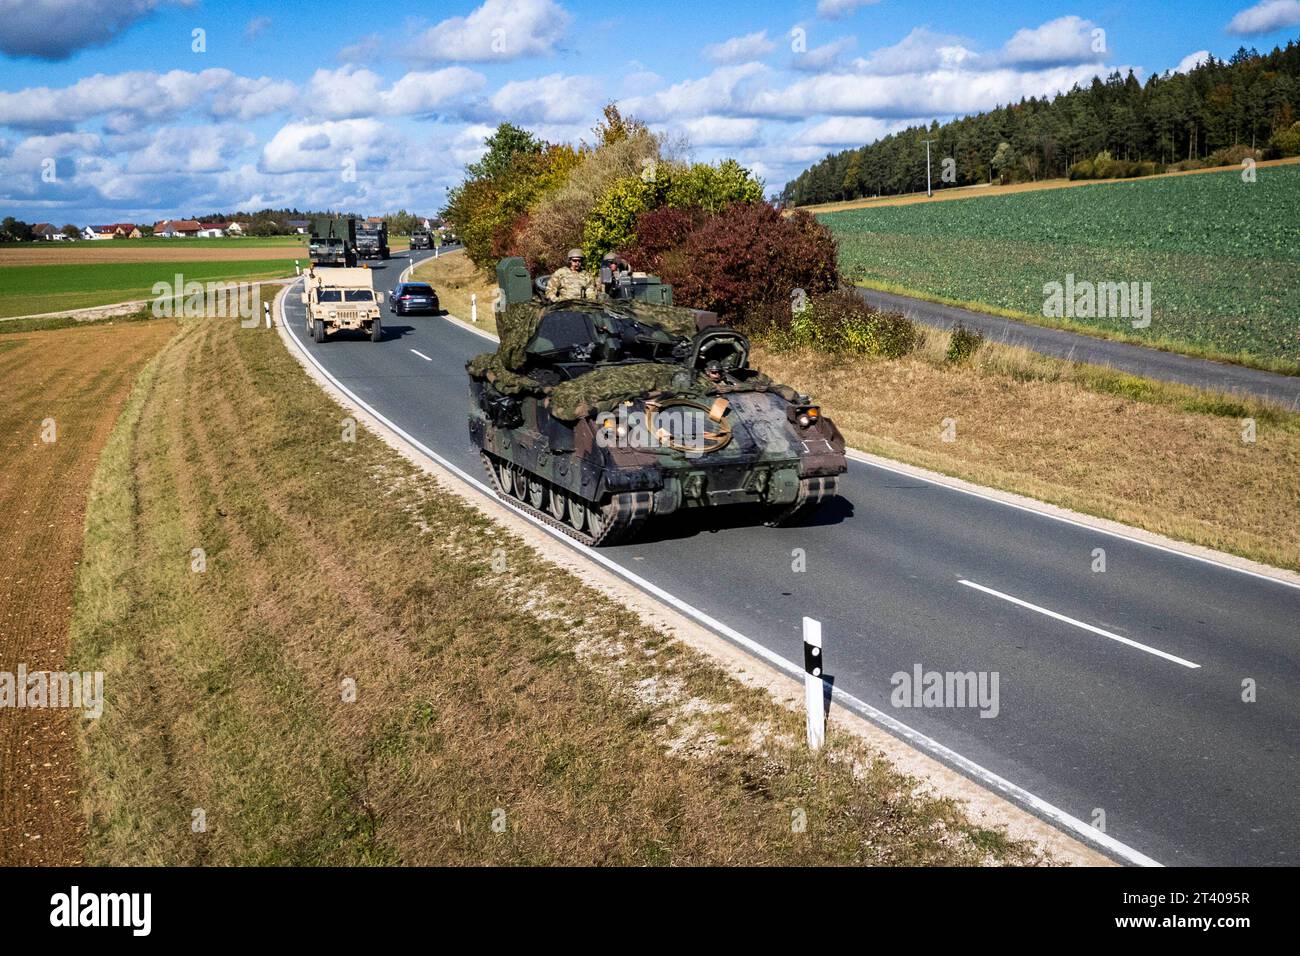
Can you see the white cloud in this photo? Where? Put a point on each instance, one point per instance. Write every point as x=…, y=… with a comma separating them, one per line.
x=719, y=92
x=1068, y=39
x=919, y=51
x=352, y=91
x=498, y=30
x=849, y=131
x=1265, y=17
x=1191, y=61
x=935, y=93
x=256, y=27
x=547, y=99
x=315, y=147
x=191, y=149
x=722, y=131
x=835, y=9
x=364, y=50
x=56, y=29
x=141, y=95
x=823, y=57
x=737, y=49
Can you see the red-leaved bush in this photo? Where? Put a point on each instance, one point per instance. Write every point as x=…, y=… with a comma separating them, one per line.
x=750, y=257
x=659, y=231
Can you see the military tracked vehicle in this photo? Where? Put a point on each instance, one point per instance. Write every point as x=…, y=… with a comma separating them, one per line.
x=595, y=415
x=333, y=241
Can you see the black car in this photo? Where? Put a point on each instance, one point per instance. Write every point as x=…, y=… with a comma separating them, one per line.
x=411, y=297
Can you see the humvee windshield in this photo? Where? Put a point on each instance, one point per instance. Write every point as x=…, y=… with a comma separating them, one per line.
x=346, y=295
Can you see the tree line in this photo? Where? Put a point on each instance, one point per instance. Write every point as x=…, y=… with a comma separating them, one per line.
x=1209, y=115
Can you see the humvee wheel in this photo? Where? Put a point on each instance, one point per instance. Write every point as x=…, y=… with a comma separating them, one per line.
x=318, y=331
x=376, y=330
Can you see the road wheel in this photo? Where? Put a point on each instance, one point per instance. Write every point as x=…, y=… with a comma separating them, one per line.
x=504, y=476
x=520, y=476
x=318, y=331
x=577, y=513
x=536, y=492
x=555, y=503
x=376, y=330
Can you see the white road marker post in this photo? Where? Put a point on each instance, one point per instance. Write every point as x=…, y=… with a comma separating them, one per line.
x=813, y=683
x=473, y=307
x=266, y=311
x=296, y=269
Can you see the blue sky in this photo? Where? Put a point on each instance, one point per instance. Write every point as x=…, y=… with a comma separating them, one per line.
x=109, y=113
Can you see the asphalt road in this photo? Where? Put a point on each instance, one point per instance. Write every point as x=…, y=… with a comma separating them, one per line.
x=1137, y=359
x=1120, y=693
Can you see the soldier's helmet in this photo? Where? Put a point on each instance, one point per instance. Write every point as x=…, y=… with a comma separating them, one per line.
x=713, y=369
x=575, y=253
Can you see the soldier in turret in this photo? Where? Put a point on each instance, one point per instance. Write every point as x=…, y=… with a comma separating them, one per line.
x=571, y=282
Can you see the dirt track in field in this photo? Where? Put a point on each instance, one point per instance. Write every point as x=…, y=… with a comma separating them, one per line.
x=124, y=251
x=79, y=378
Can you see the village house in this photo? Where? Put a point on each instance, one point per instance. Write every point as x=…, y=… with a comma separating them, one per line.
x=47, y=232
x=213, y=230
x=172, y=228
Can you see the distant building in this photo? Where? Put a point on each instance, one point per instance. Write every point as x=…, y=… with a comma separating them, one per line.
x=172, y=228
x=213, y=230
x=299, y=226
x=47, y=232
x=234, y=228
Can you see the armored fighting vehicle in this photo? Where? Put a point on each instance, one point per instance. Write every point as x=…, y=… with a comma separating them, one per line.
x=339, y=299
x=333, y=241
x=421, y=239
x=594, y=415
x=372, y=240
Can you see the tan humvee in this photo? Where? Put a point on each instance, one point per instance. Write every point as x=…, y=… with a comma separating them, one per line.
x=341, y=299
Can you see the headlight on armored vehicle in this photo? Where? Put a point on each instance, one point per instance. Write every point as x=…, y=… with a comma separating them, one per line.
x=333, y=314
x=805, y=416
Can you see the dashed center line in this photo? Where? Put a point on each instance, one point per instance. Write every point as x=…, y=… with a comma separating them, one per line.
x=1087, y=627
x=423, y=356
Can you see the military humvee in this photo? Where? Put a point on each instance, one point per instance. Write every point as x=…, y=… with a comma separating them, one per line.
x=341, y=299
x=592, y=416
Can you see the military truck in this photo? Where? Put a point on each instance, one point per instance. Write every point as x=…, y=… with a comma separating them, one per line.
x=333, y=241
x=593, y=416
x=421, y=239
x=337, y=299
x=372, y=240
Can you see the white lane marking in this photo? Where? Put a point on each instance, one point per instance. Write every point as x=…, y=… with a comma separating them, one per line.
x=982, y=775
x=1087, y=627
x=861, y=458
x=423, y=356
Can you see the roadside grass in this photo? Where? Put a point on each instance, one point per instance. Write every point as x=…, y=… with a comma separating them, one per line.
x=490, y=685
x=455, y=278
x=28, y=290
x=1159, y=456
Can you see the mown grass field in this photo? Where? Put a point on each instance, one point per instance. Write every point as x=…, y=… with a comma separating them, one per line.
x=32, y=289
x=490, y=686
x=78, y=380
x=1222, y=255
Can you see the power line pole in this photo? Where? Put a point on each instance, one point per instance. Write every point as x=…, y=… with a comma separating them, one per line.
x=928, y=191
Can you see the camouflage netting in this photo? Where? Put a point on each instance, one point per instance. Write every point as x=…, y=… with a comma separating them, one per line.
x=488, y=366
x=516, y=326
x=672, y=318
x=608, y=386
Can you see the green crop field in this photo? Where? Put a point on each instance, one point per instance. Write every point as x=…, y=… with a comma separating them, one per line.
x=1222, y=255
x=25, y=290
